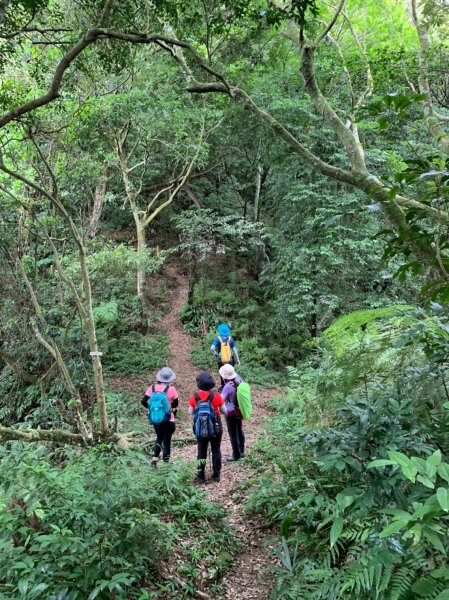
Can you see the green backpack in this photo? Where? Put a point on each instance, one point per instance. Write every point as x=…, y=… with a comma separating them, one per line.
x=244, y=400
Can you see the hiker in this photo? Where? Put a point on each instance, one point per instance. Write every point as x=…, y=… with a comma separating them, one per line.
x=234, y=419
x=224, y=348
x=206, y=405
x=161, y=400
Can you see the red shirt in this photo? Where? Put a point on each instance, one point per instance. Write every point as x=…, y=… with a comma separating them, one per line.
x=217, y=400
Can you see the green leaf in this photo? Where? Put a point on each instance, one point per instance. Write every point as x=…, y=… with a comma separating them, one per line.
x=344, y=500
x=416, y=532
x=420, y=464
x=38, y=589
x=441, y=573
x=443, y=498
x=424, y=586
x=94, y=593
x=399, y=458
x=410, y=472
x=285, y=526
x=425, y=481
x=444, y=595
x=22, y=585
x=380, y=463
x=430, y=506
x=395, y=512
x=434, y=539
x=432, y=463
x=443, y=471
x=336, y=529
x=407, y=467
x=393, y=527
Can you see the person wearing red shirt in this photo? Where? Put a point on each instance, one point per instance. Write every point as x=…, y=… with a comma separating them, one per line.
x=206, y=383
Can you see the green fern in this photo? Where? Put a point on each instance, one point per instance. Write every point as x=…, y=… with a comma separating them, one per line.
x=356, y=326
x=364, y=326
x=106, y=313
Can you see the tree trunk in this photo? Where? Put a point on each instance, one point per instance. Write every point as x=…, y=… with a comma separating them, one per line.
x=85, y=307
x=256, y=210
x=93, y=345
x=100, y=193
x=259, y=172
x=432, y=120
x=314, y=318
x=141, y=226
x=192, y=279
x=141, y=270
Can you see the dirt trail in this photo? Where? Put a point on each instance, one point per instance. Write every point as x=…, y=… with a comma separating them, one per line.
x=247, y=580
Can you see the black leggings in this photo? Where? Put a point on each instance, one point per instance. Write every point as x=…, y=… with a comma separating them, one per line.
x=236, y=436
x=215, y=444
x=164, y=432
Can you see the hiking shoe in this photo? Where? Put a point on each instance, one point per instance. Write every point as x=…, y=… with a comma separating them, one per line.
x=199, y=480
x=216, y=478
x=154, y=460
x=242, y=455
x=231, y=459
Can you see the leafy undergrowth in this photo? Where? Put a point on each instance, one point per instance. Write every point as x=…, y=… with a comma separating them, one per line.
x=79, y=525
x=251, y=369
x=355, y=469
x=224, y=295
x=136, y=354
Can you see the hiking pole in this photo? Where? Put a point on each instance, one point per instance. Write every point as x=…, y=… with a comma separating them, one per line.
x=210, y=458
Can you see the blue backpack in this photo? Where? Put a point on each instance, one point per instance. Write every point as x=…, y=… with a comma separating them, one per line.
x=159, y=410
x=205, y=423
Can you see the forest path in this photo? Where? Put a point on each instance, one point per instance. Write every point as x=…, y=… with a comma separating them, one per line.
x=247, y=579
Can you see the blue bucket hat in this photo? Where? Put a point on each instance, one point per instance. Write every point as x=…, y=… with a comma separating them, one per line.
x=224, y=330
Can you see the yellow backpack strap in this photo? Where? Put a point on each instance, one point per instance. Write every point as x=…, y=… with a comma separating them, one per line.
x=227, y=342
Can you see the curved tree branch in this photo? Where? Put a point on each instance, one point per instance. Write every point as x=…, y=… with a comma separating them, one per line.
x=331, y=23
x=39, y=435
x=87, y=39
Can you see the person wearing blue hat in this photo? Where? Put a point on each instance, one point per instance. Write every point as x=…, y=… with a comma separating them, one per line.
x=224, y=348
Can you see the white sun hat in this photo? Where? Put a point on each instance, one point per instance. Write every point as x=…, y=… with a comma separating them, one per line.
x=228, y=372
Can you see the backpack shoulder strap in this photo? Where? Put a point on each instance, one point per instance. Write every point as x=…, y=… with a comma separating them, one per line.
x=220, y=338
x=211, y=396
x=166, y=388
x=153, y=389
x=197, y=397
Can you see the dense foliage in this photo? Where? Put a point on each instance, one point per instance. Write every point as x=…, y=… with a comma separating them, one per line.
x=80, y=526
x=361, y=485
x=292, y=159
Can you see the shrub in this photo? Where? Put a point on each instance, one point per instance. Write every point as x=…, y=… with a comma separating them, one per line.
x=84, y=525
x=359, y=485
x=251, y=370
x=135, y=354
